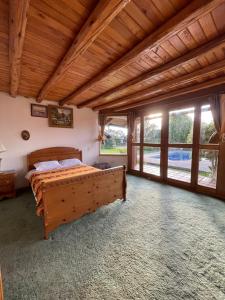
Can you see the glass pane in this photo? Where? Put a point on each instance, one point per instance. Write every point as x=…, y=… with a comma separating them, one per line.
x=207, y=125
x=207, y=173
x=179, y=164
x=181, y=126
x=152, y=129
x=136, y=158
x=152, y=160
x=115, y=136
x=137, y=130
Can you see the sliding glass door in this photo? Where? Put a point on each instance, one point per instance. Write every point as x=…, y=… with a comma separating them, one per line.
x=136, y=146
x=208, y=149
x=146, y=145
x=152, y=144
x=178, y=146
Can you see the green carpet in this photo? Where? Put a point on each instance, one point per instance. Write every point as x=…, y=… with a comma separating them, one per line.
x=164, y=243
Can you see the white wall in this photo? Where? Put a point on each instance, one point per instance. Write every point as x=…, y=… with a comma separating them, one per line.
x=15, y=116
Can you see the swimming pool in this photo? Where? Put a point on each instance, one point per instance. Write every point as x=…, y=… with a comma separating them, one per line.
x=176, y=155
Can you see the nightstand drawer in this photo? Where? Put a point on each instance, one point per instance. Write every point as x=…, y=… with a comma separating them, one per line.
x=6, y=181
x=7, y=184
x=6, y=188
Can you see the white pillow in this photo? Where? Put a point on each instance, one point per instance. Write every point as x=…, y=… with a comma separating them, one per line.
x=47, y=165
x=71, y=162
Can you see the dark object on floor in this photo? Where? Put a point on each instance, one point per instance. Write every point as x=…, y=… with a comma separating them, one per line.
x=102, y=165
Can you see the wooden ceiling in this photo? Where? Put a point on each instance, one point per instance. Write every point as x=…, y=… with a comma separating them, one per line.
x=111, y=54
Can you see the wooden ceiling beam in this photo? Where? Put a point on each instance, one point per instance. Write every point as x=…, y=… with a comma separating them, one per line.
x=102, y=15
x=187, y=99
x=18, y=12
x=176, y=63
x=181, y=20
x=190, y=89
x=175, y=102
x=166, y=85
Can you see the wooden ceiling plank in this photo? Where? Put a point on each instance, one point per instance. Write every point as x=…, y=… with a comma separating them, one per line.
x=139, y=17
x=103, y=14
x=165, y=7
x=208, y=26
x=18, y=12
x=188, y=78
x=188, y=57
x=218, y=18
x=190, y=89
x=177, y=23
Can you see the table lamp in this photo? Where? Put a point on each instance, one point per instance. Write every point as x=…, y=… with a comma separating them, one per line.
x=2, y=149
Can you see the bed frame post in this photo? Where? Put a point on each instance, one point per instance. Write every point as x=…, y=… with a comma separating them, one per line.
x=46, y=233
x=124, y=184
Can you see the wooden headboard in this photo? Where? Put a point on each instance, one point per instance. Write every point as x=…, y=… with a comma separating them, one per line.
x=55, y=153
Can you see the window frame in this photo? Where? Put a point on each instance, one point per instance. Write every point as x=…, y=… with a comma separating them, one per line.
x=196, y=146
x=206, y=147
x=127, y=144
x=181, y=145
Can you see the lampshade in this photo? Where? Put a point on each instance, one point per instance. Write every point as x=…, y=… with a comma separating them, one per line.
x=2, y=148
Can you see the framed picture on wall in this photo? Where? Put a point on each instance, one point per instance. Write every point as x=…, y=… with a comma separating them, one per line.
x=38, y=110
x=61, y=117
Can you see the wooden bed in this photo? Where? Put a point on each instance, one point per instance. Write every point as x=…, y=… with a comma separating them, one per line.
x=65, y=200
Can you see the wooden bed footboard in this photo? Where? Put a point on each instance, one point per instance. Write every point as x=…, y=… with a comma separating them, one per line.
x=68, y=199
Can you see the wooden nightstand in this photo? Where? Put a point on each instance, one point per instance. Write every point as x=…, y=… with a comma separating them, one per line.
x=7, y=184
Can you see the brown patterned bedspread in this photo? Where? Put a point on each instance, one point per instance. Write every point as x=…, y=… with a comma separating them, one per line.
x=37, y=179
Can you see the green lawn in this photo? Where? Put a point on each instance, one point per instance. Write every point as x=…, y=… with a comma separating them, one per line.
x=117, y=150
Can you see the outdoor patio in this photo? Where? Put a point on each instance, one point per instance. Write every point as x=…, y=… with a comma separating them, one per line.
x=178, y=174
x=179, y=169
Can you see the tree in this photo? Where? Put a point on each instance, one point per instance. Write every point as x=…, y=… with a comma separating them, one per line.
x=115, y=138
x=207, y=129
x=180, y=128
x=109, y=143
x=152, y=132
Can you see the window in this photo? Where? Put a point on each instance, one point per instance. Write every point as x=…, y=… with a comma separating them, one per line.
x=207, y=125
x=151, y=160
x=136, y=149
x=152, y=128
x=181, y=123
x=137, y=130
x=136, y=158
x=179, y=146
x=208, y=153
x=179, y=164
x=115, y=134
x=207, y=173
x=152, y=144
x=181, y=126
